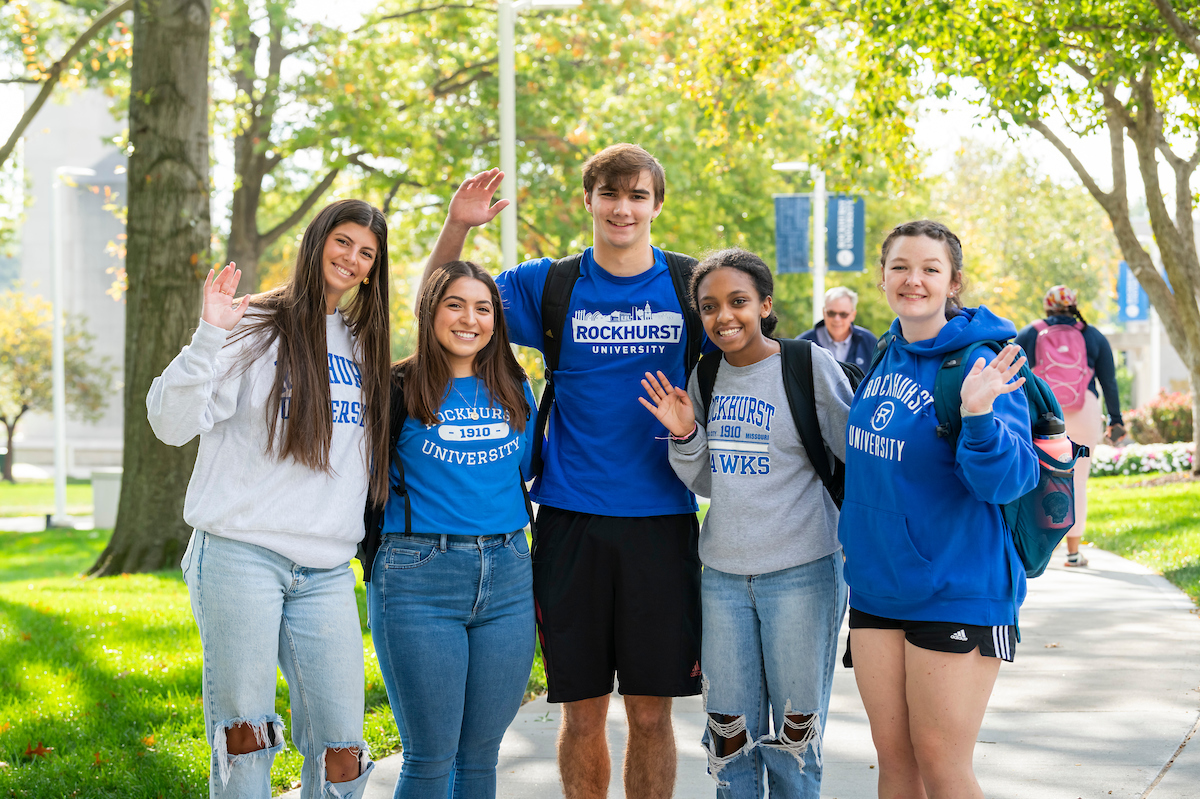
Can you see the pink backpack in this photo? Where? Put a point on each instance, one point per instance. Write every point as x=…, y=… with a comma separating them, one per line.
x=1061, y=355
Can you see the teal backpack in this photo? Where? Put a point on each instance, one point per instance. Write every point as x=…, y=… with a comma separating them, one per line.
x=1039, y=519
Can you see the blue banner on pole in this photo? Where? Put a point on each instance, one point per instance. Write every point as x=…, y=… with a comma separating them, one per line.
x=792, y=213
x=1133, y=304
x=846, y=233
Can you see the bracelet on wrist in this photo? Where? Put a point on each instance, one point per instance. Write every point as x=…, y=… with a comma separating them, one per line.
x=687, y=438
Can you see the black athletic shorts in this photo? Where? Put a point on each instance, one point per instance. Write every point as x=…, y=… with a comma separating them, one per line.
x=999, y=641
x=617, y=594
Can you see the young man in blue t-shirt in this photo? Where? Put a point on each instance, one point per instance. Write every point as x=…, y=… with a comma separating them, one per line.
x=616, y=570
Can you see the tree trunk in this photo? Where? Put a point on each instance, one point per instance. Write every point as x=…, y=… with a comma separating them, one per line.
x=1195, y=422
x=166, y=258
x=9, y=455
x=244, y=249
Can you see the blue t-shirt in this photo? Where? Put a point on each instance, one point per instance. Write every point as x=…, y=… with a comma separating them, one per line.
x=462, y=473
x=604, y=453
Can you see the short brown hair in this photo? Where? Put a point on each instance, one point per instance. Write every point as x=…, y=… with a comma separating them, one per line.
x=619, y=166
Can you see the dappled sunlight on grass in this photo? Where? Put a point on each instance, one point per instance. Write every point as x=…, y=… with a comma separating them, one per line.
x=1158, y=527
x=105, y=677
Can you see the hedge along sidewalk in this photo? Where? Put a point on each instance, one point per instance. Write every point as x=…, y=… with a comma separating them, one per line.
x=100, y=680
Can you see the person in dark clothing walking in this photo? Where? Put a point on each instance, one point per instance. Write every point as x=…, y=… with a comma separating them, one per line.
x=1074, y=384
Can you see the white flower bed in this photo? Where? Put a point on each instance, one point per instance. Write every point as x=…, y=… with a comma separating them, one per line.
x=1141, y=458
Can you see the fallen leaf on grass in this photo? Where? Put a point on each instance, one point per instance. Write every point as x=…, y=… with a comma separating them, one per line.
x=149, y=740
x=25, y=636
x=41, y=751
x=5, y=727
x=99, y=761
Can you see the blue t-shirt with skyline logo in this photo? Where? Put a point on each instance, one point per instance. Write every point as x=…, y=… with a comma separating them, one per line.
x=605, y=453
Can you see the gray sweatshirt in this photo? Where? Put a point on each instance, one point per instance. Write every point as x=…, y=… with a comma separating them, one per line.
x=769, y=509
x=238, y=489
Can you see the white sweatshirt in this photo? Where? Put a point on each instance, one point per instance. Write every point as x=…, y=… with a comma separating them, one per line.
x=238, y=489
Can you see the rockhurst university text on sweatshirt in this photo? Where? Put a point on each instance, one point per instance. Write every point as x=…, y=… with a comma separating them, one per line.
x=462, y=473
x=769, y=509
x=922, y=526
x=604, y=454
x=238, y=489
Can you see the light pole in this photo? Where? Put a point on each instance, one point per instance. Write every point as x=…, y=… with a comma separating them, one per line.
x=62, y=181
x=508, y=11
x=818, y=262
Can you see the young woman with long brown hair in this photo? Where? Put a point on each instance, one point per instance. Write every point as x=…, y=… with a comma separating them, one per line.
x=289, y=399
x=451, y=589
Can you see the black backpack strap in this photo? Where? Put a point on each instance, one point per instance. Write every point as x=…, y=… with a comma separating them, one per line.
x=556, y=301
x=880, y=349
x=796, y=355
x=706, y=377
x=681, y=267
x=373, y=515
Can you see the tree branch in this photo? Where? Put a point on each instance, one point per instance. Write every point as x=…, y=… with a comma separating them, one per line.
x=413, y=11
x=1186, y=32
x=446, y=86
x=52, y=74
x=20, y=80
x=1033, y=123
x=303, y=208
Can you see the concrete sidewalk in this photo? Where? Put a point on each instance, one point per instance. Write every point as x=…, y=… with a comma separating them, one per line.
x=1104, y=691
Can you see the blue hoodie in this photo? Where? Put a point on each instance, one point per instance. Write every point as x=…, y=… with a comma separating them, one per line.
x=922, y=527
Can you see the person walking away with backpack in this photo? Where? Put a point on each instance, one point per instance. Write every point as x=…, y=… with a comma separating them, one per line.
x=451, y=586
x=616, y=573
x=772, y=591
x=1071, y=356
x=290, y=400
x=935, y=579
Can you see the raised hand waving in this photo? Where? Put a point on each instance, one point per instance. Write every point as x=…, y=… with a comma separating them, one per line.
x=220, y=308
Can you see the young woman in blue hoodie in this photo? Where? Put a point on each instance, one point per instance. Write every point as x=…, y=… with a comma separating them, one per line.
x=934, y=578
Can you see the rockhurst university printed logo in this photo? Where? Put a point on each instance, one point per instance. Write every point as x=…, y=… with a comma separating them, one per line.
x=641, y=330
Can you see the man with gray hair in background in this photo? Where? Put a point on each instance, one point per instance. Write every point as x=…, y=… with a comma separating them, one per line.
x=837, y=332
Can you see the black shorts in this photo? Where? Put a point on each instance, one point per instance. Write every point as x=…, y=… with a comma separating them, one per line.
x=617, y=594
x=999, y=641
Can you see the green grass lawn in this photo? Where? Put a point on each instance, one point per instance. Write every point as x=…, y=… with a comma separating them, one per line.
x=100, y=679
x=36, y=497
x=1157, y=527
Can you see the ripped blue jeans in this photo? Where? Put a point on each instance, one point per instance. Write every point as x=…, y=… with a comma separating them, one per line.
x=256, y=609
x=769, y=650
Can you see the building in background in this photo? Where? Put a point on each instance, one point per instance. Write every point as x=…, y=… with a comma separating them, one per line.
x=78, y=133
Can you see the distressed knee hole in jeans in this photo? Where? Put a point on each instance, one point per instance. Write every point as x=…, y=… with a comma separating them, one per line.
x=727, y=739
x=268, y=736
x=362, y=758
x=801, y=732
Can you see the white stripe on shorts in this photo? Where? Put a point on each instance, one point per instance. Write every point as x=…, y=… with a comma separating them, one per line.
x=1000, y=638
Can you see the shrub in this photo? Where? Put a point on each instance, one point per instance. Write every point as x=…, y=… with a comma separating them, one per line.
x=1141, y=459
x=1163, y=420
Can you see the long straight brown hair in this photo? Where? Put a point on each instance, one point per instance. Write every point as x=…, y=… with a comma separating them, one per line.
x=294, y=315
x=426, y=373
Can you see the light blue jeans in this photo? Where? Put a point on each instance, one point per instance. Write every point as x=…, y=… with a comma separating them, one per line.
x=769, y=650
x=255, y=609
x=453, y=623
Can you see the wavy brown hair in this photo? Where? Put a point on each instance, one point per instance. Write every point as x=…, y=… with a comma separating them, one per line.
x=294, y=315
x=426, y=373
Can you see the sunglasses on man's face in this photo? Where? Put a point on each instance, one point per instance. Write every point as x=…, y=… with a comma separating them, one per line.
x=838, y=314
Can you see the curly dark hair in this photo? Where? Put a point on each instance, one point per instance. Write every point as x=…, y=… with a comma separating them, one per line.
x=742, y=261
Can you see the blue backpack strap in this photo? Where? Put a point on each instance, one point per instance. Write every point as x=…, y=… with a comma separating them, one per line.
x=556, y=301
x=880, y=350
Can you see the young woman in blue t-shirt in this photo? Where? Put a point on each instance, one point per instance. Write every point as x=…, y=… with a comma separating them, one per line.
x=451, y=589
